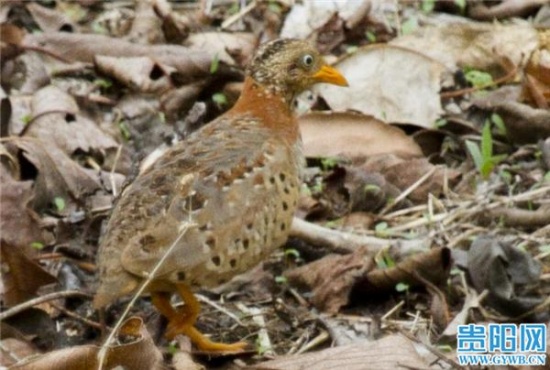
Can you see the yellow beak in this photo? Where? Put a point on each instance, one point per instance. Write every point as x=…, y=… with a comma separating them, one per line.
x=330, y=75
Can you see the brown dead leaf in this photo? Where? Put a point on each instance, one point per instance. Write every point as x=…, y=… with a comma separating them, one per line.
x=331, y=278
x=352, y=135
x=402, y=173
x=524, y=124
x=510, y=275
x=20, y=225
x=12, y=349
x=228, y=47
x=50, y=20
x=504, y=9
x=146, y=26
x=388, y=353
x=58, y=175
x=383, y=85
x=432, y=266
x=12, y=38
x=21, y=276
x=194, y=64
x=140, y=74
x=136, y=351
x=56, y=121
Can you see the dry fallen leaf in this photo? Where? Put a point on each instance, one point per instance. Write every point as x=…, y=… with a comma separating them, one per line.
x=353, y=135
x=510, y=275
x=388, y=353
x=56, y=121
x=391, y=83
x=21, y=276
x=58, y=176
x=331, y=278
x=20, y=224
x=136, y=351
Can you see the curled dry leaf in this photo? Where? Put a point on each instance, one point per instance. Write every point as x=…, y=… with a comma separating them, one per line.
x=56, y=121
x=20, y=225
x=510, y=275
x=21, y=276
x=137, y=351
x=227, y=47
x=391, y=83
x=85, y=47
x=58, y=176
x=50, y=20
x=331, y=278
x=140, y=74
x=146, y=26
x=353, y=135
x=504, y=9
x=404, y=173
x=432, y=266
x=524, y=124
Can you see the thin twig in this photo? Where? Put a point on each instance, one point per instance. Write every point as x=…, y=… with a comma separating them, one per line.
x=45, y=298
x=211, y=303
x=409, y=190
x=112, y=173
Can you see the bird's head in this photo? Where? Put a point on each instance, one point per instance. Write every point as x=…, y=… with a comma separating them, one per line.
x=289, y=66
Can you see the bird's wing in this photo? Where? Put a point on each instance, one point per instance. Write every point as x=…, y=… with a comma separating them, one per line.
x=199, y=191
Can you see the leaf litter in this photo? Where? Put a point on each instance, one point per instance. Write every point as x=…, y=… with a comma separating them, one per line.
x=424, y=204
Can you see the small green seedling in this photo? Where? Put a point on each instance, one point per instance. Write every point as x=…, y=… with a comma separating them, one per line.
x=482, y=155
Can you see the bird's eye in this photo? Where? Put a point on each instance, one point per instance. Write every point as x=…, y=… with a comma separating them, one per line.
x=307, y=60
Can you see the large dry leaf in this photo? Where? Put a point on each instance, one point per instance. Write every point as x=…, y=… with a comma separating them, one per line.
x=137, y=351
x=21, y=276
x=354, y=136
x=470, y=44
x=391, y=83
x=58, y=175
x=57, y=122
x=433, y=266
x=331, y=278
x=388, y=353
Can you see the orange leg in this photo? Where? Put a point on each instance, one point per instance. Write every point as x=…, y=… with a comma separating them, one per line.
x=183, y=321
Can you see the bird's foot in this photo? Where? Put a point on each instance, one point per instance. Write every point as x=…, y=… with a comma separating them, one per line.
x=181, y=326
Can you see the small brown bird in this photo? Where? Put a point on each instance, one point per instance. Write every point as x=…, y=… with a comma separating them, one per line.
x=225, y=196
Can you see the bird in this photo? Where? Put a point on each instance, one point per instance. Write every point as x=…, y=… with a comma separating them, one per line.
x=220, y=200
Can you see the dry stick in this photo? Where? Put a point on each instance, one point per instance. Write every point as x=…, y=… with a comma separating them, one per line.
x=234, y=18
x=409, y=190
x=342, y=242
x=102, y=354
x=112, y=173
x=76, y=316
x=209, y=302
x=321, y=338
x=45, y=298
